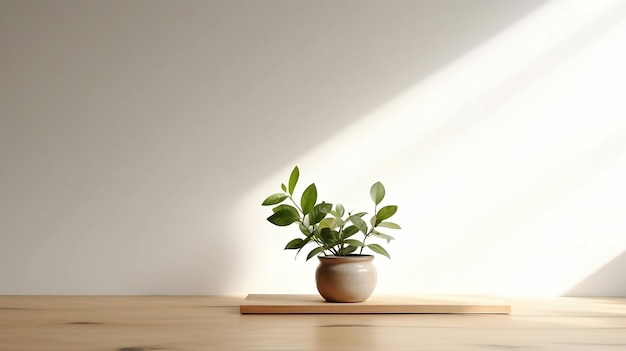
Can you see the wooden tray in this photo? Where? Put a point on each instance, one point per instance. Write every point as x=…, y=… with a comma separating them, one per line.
x=312, y=304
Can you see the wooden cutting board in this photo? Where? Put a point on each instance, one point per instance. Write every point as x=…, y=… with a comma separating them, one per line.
x=312, y=304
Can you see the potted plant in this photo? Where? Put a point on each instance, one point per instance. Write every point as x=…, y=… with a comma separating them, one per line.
x=345, y=273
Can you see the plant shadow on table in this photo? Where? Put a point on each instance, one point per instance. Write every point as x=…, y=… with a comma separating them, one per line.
x=362, y=335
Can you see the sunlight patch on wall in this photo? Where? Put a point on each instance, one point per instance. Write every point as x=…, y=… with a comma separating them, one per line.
x=507, y=165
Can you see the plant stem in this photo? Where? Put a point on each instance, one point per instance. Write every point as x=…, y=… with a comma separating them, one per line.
x=316, y=240
x=296, y=205
x=369, y=232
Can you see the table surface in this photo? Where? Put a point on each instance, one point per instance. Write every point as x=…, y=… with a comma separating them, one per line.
x=181, y=323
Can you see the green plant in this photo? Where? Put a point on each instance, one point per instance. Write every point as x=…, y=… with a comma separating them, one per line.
x=332, y=230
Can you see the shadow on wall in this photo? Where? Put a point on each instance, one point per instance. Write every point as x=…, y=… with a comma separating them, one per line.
x=324, y=66
x=348, y=61
x=611, y=277
x=521, y=172
x=150, y=118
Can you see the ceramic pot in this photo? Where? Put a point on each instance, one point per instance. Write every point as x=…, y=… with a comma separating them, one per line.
x=346, y=278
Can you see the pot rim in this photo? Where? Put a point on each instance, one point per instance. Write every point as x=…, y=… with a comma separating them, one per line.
x=351, y=257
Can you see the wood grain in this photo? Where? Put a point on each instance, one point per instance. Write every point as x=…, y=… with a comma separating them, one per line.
x=194, y=323
x=287, y=304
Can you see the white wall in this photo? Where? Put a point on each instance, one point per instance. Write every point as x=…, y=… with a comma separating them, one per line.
x=138, y=138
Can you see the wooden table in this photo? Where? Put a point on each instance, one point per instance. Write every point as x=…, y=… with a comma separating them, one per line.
x=164, y=323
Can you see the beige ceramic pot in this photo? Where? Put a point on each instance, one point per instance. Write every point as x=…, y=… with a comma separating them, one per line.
x=346, y=278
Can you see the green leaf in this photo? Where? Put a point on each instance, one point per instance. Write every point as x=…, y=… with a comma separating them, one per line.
x=314, y=252
x=282, y=186
x=288, y=208
x=293, y=179
x=377, y=192
x=378, y=234
x=274, y=199
x=338, y=219
x=304, y=230
x=328, y=223
x=329, y=237
x=340, y=222
x=354, y=242
x=318, y=212
x=295, y=244
x=309, y=197
x=378, y=249
x=317, y=235
x=350, y=231
x=348, y=250
x=340, y=210
x=282, y=218
x=389, y=225
x=359, y=214
x=306, y=241
x=359, y=223
x=385, y=213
